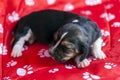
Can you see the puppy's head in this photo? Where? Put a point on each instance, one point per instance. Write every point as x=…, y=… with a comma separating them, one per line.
x=66, y=44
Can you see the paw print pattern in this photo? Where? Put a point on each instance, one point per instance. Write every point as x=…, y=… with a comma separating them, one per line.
x=51, y=2
x=105, y=33
x=68, y=7
x=29, y=2
x=108, y=6
x=86, y=12
x=27, y=69
x=7, y=78
x=109, y=65
x=93, y=2
x=118, y=40
x=13, y=16
x=108, y=16
x=53, y=70
x=43, y=53
x=69, y=66
x=11, y=63
x=88, y=76
x=1, y=28
x=116, y=24
x=3, y=50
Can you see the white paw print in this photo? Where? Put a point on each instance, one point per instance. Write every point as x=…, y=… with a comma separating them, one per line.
x=118, y=40
x=43, y=53
x=116, y=24
x=69, y=66
x=3, y=50
x=108, y=16
x=109, y=65
x=14, y=16
x=29, y=2
x=105, y=33
x=7, y=78
x=88, y=76
x=51, y=2
x=108, y=6
x=93, y=2
x=11, y=63
x=68, y=7
x=53, y=70
x=1, y=28
x=27, y=69
x=86, y=12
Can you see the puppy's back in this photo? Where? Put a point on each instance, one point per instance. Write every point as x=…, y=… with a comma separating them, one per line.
x=44, y=23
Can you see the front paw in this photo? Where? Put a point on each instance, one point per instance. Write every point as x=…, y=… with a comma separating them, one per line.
x=99, y=54
x=17, y=51
x=83, y=63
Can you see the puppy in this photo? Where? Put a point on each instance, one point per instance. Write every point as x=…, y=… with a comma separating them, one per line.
x=68, y=34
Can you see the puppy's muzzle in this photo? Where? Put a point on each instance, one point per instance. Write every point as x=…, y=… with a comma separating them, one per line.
x=57, y=56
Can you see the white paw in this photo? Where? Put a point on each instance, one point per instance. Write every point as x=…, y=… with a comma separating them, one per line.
x=109, y=65
x=83, y=63
x=27, y=69
x=17, y=51
x=99, y=54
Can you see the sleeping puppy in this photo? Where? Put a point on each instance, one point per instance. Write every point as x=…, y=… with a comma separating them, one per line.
x=68, y=34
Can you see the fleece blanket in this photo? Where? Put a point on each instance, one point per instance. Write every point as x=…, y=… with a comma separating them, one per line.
x=36, y=63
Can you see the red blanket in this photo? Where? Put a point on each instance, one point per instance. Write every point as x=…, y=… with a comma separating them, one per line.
x=36, y=64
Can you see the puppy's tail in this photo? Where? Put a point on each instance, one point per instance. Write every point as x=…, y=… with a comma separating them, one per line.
x=85, y=51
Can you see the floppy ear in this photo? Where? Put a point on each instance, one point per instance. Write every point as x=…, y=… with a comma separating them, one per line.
x=84, y=49
x=55, y=35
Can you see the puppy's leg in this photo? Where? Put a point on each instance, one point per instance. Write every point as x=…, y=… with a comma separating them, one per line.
x=18, y=46
x=31, y=39
x=96, y=49
x=83, y=63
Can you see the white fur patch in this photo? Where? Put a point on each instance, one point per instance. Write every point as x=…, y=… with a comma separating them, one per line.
x=83, y=63
x=76, y=20
x=18, y=47
x=96, y=49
